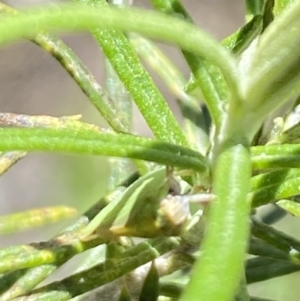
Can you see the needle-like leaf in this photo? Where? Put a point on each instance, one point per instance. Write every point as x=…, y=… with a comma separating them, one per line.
x=96, y=143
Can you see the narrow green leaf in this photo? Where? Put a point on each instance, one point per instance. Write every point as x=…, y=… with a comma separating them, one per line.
x=16, y=250
x=45, y=121
x=238, y=123
x=274, y=192
x=273, y=177
x=290, y=206
x=275, y=156
x=254, y=7
x=141, y=198
x=269, y=83
x=138, y=216
x=45, y=254
x=97, y=143
x=267, y=268
x=275, y=185
x=95, y=209
x=193, y=119
x=285, y=130
x=33, y=218
x=94, y=256
x=171, y=290
x=124, y=296
x=233, y=123
x=83, y=77
x=122, y=100
x=162, y=65
x=274, y=237
x=138, y=82
x=259, y=247
x=244, y=36
x=268, y=15
x=21, y=282
x=8, y=159
x=150, y=288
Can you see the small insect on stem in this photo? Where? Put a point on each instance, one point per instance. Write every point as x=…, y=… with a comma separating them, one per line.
x=175, y=206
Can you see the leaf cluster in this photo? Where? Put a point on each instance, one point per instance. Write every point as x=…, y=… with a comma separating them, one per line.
x=225, y=156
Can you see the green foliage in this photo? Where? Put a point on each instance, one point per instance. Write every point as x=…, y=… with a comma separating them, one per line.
x=230, y=167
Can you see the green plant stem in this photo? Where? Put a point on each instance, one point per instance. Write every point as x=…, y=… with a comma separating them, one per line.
x=79, y=17
x=224, y=246
x=93, y=143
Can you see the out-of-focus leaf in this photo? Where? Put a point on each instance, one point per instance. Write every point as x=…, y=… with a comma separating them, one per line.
x=8, y=159
x=34, y=218
x=125, y=296
x=150, y=288
x=280, y=5
x=263, y=268
x=290, y=206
